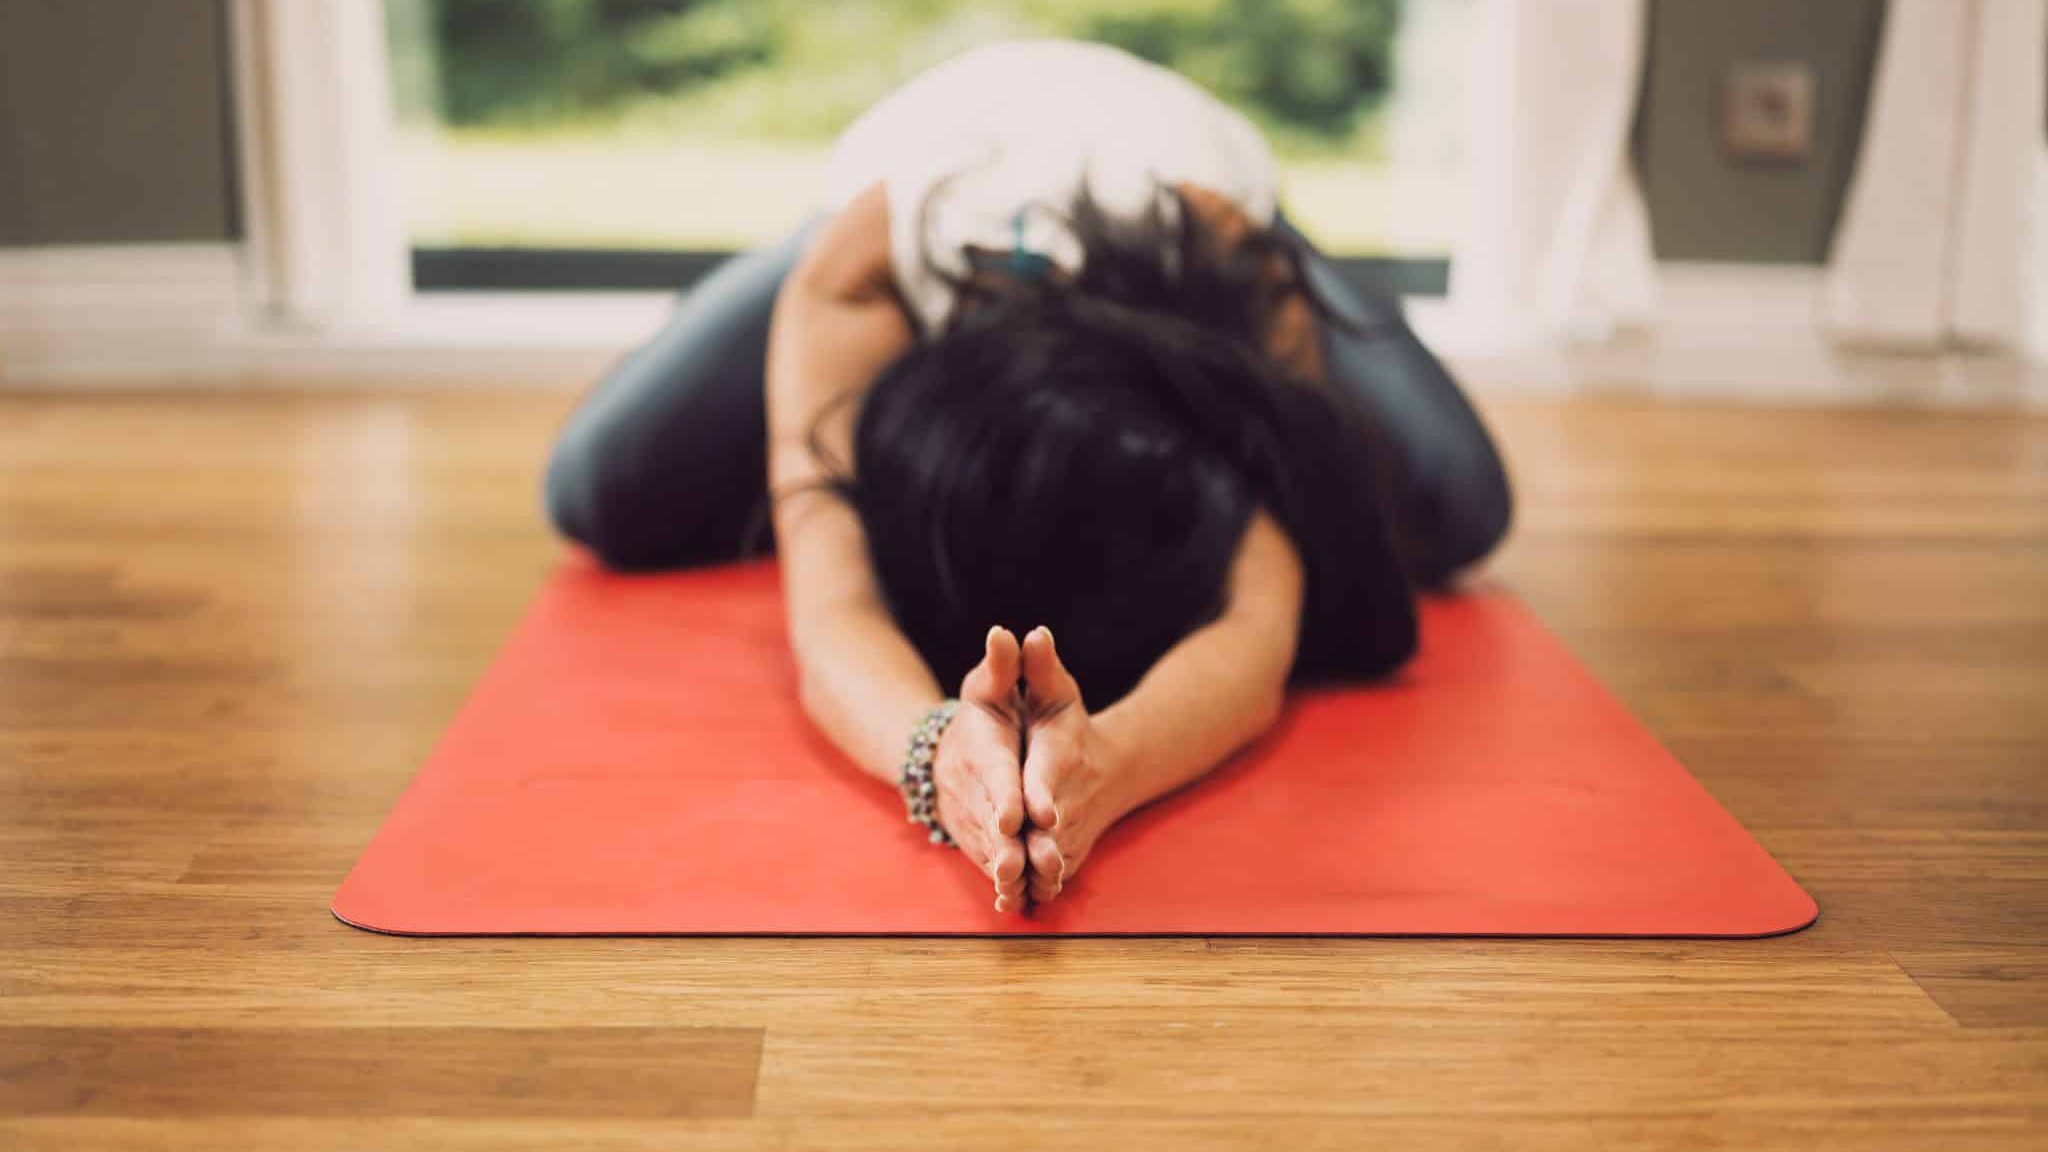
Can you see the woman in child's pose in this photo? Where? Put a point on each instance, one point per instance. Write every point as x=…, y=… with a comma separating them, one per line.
x=1048, y=364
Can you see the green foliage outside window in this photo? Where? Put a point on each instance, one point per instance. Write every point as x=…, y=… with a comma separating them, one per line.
x=1309, y=71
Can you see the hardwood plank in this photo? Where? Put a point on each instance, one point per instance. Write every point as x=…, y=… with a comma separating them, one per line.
x=1030, y=1128
x=1981, y=986
x=342, y=1072
x=268, y=963
x=1850, y=780
x=1134, y=1067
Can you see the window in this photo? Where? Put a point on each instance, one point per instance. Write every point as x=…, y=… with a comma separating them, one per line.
x=628, y=143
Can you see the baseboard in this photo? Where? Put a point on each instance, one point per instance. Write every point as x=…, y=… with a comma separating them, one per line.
x=1749, y=333
x=148, y=311
x=176, y=316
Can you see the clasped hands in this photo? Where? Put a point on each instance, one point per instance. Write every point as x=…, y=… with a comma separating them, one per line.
x=1026, y=782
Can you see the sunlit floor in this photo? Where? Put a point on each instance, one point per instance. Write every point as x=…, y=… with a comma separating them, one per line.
x=232, y=624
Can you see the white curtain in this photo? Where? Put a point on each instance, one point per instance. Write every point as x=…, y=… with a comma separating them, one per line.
x=1942, y=236
x=1557, y=244
x=323, y=214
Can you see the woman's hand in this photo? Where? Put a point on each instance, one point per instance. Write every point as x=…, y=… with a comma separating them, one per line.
x=1073, y=787
x=975, y=768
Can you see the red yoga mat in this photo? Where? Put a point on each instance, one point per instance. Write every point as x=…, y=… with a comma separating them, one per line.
x=636, y=762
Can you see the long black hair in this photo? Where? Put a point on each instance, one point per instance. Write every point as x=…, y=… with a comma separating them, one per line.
x=1086, y=452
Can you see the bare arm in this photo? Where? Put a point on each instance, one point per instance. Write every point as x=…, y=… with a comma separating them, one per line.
x=1222, y=685
x=836, y=325
x=1210, y=694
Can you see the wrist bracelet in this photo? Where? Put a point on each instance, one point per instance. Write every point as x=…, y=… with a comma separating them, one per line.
x=920, y=794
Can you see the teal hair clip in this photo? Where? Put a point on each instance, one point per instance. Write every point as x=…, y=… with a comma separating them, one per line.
x=1024, y=263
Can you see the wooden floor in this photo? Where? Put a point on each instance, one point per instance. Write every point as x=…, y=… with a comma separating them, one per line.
x=231, y=625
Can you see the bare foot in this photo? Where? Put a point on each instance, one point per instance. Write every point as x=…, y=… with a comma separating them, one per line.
x=981, y=799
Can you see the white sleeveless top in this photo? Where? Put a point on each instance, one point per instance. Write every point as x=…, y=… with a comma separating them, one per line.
x=990, y=147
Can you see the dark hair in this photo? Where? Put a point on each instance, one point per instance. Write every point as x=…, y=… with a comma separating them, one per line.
x=1086, y=454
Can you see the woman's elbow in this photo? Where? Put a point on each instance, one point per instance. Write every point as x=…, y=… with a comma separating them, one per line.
x=814, y=684
x=1269, y=706
x=810, y=692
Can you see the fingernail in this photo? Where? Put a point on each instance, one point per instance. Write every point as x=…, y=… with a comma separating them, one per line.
x=1048, y=635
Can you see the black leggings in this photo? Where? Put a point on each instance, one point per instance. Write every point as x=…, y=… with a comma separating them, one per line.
x=665, y=465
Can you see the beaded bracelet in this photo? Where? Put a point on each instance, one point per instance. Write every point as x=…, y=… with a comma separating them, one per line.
x=920, y=794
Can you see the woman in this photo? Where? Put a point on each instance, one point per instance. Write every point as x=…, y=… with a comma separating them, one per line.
x=1049, y=362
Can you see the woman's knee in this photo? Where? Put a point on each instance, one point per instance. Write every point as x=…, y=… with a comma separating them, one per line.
x=589, y=502
x=569, y=491
x=601, y=521
x=1467, y=507
x=1486, y=510
x=1453, y=473
x=660, y=466
x=640, y=519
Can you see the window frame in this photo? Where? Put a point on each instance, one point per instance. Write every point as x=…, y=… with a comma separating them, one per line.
x=325, y=253
x=519, y=269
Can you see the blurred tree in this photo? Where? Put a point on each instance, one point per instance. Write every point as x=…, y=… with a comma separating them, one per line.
x=1314, y=68
x=537, y=60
